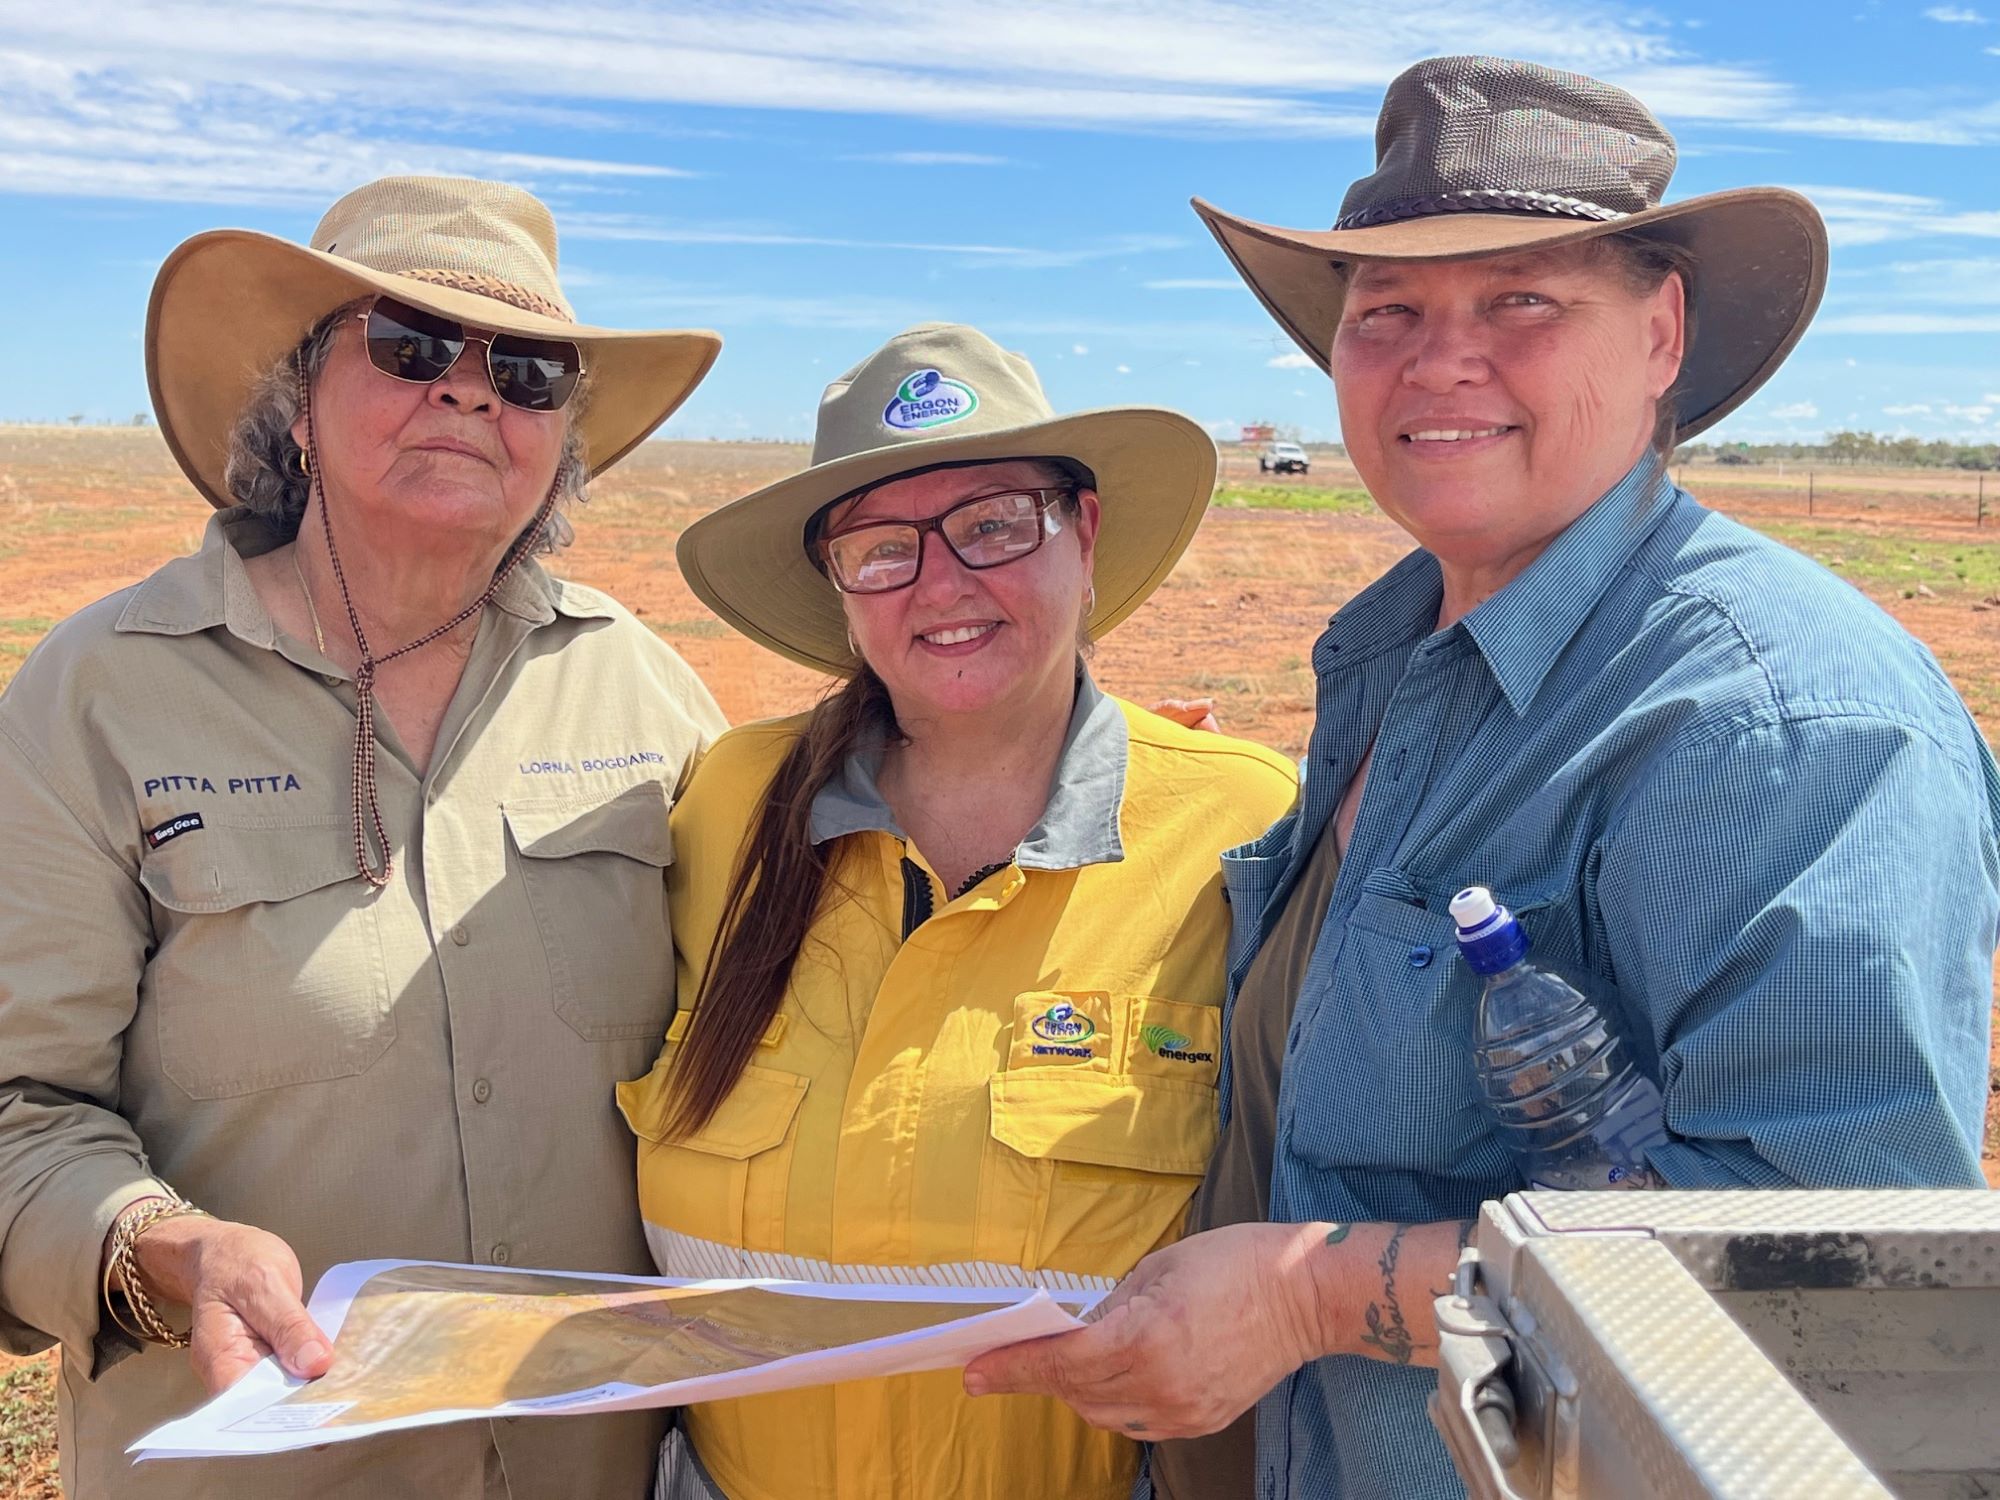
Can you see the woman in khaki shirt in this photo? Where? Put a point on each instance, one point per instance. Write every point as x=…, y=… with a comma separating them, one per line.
x=335, y=898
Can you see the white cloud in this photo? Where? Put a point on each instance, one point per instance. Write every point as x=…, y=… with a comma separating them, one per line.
x=1954, y=15
x=1297, y=360
x=1794, y=411
x=1079, y=349
x=1907, y=323
x=1914, y=409
x=1869, y=216
x=1992, y=397
x=933, y=159
x=1976, y=414
x=1124, y=369
x=590, y=225
x=1196, y=284
x=149, y=100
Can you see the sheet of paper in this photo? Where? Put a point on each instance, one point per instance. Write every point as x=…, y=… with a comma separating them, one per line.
x=422, y=1342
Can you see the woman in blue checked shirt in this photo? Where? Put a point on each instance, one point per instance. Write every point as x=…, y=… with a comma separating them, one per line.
x=1697, y=765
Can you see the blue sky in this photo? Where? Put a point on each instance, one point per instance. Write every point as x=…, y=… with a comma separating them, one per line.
x=810, y=178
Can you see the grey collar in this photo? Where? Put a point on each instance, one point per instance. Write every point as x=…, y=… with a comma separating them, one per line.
x=1078, y=827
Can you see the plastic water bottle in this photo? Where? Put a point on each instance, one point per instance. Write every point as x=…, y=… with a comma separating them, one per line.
x=1557, y=1077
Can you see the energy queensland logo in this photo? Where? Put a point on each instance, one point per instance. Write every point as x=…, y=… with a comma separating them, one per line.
x=928, y=399
x=1060, y=1031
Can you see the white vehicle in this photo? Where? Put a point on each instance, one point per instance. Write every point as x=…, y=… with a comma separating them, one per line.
x=1284, y=458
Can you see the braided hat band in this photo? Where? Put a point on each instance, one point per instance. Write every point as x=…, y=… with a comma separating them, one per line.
x=1481, y=201
x=509, y=292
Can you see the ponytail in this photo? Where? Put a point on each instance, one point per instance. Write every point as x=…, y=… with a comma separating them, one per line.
x=751, y=957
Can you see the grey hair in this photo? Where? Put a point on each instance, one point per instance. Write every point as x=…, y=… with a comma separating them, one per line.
x=1644, y=264
x=263, y=474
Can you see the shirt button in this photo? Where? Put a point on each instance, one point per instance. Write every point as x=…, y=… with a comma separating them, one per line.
x=501, y=1255
x=481, y=1091
x=1421, y=956
x=460, y=936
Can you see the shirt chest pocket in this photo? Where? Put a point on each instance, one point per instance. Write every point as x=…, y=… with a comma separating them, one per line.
x=594, y=872
x=268, y=965
x=1381, y=1074
x=725, y=1184
x=1092, y=1159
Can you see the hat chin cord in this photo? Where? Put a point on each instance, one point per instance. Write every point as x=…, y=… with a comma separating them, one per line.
x=365, y=799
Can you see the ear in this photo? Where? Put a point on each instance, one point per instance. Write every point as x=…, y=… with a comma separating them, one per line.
x=1087, y=517
x=1666, y=334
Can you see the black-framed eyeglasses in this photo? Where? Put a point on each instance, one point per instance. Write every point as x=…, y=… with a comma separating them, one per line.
x=407, y=343
x=987, y=531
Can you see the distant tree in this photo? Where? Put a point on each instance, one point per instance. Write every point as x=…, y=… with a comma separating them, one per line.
x=142, y=418
x=76, y=419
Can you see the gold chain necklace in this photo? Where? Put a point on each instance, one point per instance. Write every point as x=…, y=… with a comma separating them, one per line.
x=319, y=636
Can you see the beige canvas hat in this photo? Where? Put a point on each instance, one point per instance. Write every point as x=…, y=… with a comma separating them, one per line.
x=941, y=393
x=229, y=302
x=1480, y=156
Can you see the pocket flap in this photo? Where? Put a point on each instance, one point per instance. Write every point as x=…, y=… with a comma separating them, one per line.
x=223, y=866
x=756, y=1116
x=632, y=822
x=1069, y=1114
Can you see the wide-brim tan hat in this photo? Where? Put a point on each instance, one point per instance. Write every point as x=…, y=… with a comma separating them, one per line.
x=229, y=303
x=940, y=394
x=1480, y=156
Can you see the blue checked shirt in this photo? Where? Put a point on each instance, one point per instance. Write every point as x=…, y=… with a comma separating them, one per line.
x=1693, y=763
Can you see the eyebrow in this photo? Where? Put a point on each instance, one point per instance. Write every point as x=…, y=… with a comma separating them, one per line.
x=862, y=499
x=1384, y=274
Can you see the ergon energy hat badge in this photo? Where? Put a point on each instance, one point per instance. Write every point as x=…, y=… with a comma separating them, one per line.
x=928, y=399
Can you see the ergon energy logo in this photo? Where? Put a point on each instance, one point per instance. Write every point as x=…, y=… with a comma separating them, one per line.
x=928, y=399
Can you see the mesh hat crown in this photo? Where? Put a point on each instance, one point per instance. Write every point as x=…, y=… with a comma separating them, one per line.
x=1484, y=155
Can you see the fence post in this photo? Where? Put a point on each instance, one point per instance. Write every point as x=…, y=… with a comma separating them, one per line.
x=1809, y=492
x=1980, y=520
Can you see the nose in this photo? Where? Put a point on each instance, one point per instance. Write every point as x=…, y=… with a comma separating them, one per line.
x=467, y=386
x=941, y=577
x=1449, y=351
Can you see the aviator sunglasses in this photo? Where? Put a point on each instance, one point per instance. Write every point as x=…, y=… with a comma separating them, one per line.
x=988, y=531
x=407, y=343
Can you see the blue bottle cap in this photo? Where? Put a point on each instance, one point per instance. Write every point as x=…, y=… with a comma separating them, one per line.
x=1488, y=935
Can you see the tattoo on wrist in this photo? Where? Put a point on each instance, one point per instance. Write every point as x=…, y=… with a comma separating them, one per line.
x=1387, y=1330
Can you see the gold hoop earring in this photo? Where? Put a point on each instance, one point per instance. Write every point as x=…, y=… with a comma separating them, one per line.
x=853, y=646
x=302, y=463
x=1090, y=602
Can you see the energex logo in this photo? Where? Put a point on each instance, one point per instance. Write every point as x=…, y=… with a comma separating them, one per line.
x=928, y=399
x=1164, y=1041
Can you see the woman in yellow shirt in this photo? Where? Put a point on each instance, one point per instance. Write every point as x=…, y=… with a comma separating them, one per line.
x=951, y=945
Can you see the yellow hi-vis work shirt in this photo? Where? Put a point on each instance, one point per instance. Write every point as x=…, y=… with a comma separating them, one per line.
x=1013, y=1084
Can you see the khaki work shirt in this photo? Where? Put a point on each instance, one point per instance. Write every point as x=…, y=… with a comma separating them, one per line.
x=197, y=988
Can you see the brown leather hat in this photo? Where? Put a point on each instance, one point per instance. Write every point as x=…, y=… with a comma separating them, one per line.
x=1481, y=156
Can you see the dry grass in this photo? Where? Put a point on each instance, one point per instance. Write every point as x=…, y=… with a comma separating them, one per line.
x=86, y=512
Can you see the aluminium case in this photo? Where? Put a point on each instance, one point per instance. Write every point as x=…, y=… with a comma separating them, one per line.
x=1684, y=1344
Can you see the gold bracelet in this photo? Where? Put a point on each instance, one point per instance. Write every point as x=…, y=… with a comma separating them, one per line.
x=123, y=1264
